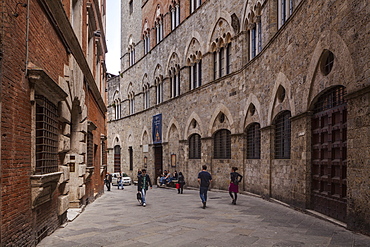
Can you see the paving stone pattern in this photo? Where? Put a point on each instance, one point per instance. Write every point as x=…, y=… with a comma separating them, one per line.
x=171, y=219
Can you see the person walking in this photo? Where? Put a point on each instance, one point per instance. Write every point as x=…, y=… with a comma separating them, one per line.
x=108, y=180
x=142, y=185
x=235, y=179
x=204, y=180
x=120, y=181
x=181, y=182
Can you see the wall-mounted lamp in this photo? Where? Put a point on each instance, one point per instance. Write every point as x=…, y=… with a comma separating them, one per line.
x=173, y=160
x=15, y=14
x=97, y=33
x=145, y=161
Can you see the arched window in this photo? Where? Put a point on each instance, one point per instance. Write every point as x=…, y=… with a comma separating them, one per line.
x=221, y=59
x=285, y=9
x=194, y=4
x=228, y=58
x=146, y=96
x=117, y=109
x=194, y=147
x=159, y=90
x=159, y=30
x=196, y=74
x=282, y=135
x=175, y=16
x=117, y=158
x=131, y=51
x=175, y=81
x=146, y=43
x=222, y=144
x=131, y=98
x=254, y=141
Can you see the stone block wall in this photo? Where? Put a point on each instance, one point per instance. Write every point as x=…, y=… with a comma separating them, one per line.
x=285, y=76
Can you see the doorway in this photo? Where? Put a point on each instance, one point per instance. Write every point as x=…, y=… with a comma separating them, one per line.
x=158, y=161
x=329, y=155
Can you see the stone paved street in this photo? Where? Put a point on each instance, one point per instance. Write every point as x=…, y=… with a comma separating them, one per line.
x=170, y=219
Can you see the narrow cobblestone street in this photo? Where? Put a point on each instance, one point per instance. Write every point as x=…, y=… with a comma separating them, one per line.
x=172, y=219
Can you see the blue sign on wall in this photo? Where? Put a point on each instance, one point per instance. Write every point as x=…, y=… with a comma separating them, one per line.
x=157, y=129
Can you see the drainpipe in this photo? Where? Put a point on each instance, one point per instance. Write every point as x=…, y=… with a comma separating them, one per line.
x=27, y=35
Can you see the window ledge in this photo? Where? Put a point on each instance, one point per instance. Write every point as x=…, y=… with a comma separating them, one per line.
x=43, y=187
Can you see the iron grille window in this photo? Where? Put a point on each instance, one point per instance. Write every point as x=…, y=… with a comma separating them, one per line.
x=282, y=135
x=331, y=99
x=254, y=141
x=117, y=158
x=194, y=147
x=103, y=153
x=222, y=144
x=90, y=149
x=46, y=136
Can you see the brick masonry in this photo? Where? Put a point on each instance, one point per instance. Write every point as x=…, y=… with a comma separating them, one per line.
x=32, y=205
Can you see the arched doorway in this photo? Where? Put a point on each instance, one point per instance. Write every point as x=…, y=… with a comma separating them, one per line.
x=117, y=158
x=329, y=154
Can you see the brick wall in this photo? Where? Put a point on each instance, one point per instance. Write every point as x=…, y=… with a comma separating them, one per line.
x=95, y=187
x=19, y=222
x=16, y=215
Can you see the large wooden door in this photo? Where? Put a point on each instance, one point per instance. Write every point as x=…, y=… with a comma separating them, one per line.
x=329, y=155
x=158, y=161
x=117, y=159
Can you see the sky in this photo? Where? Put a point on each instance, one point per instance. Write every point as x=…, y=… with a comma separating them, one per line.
x=113, y=36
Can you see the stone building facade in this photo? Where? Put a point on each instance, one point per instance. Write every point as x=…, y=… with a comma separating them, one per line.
x=279, y=89
x=53, y=114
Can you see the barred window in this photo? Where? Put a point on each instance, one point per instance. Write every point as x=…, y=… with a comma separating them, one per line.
x=331, y=99
x=194, y=147
x=90, y=149
x=103, y=153
x=46, y=136
x=117, y=158
x=282, y=135
x=222, y=144
x=254, y=141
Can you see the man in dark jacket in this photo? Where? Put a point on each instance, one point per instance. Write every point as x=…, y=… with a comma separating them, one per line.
x=108, y=180
x=204, y=180
x=142, y=185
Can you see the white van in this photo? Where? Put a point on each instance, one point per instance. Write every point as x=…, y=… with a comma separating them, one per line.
x=125, y=178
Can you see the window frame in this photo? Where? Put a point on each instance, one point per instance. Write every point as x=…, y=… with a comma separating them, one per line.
x=46, y=145
x=253, y=141
x=195, y=146
x=222, y=144
x=282, y=135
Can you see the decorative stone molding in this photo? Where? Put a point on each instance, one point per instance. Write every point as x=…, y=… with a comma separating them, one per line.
x=63, y=204
x=43, y=187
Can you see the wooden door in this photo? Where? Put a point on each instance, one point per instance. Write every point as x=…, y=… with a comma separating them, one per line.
x=329, y=155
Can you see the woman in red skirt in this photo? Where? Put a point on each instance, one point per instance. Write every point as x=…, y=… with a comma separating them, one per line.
x=235, y=179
